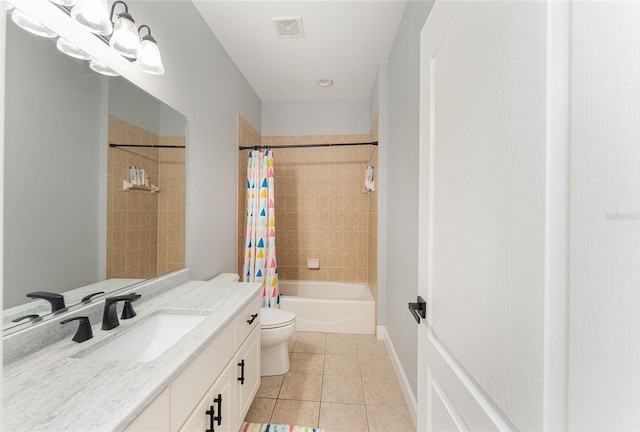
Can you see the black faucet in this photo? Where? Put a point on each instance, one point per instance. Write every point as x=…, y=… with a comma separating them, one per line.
x=56, y=300
x=110, y=315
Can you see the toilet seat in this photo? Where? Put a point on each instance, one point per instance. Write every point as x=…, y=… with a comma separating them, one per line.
x=271, y=318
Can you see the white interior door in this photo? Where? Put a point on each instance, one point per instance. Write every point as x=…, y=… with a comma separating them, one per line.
x=482, y=216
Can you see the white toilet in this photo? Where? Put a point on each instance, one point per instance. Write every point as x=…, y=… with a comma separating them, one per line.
x=276, y=327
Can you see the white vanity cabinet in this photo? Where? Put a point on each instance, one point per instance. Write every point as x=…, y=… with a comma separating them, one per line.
x=216, y=412
x=217, y=388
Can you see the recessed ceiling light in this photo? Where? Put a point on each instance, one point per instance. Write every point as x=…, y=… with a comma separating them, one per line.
x=325, y=82
x=289, y=27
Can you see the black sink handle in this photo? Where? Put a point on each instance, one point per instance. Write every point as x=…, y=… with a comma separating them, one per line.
x=84, y=331
x=88, y=297
x=23, y=317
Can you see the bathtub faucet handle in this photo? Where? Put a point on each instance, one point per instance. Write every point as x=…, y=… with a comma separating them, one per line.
x=253, y=318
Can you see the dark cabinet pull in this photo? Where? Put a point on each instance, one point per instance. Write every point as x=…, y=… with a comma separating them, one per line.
x=211, y=413
x=241, y=379
x=253, y=318
x=218, y=401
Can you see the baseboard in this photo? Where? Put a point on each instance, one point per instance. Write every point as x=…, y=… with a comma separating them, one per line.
x=409, y=398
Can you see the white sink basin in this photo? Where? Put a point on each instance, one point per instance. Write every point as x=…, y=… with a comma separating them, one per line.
x=148, y=340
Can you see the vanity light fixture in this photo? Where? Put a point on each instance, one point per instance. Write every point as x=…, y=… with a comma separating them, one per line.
x=125, y=37
x=149, y=55
x=71, y=50
x=94, y=15
x=8, y=6
x=29, y=24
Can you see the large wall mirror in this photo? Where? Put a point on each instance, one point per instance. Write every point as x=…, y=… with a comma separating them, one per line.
x=73, y=223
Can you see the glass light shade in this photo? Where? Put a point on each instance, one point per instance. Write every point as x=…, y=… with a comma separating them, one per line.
x=94, y=15
x=125, y=37
x=29, y=24
x=71, y=50
x=8, y=6
x=149, y=57
x=102, y=68
x=67, y=3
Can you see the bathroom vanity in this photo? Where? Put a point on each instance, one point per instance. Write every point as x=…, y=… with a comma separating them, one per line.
x=205, y=380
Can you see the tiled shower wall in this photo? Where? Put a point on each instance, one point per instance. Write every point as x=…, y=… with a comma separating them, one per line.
x=145, y=232
x=321, y=211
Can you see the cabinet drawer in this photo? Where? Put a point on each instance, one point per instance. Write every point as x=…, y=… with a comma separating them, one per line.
x=192, y=384
x=245, y=322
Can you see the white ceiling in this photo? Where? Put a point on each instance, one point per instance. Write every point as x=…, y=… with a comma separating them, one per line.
x=344, y=40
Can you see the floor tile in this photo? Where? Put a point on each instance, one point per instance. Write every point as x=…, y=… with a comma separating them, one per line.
x=270, y=386
x=393, y=418
x=376, y=367
x=309, y=345
x=300, y=386
x=341, y=337
x=335, y=417
x=382, y=391
x=371, y=347
x=341, y=365
x=307, y=363
x=293, y=412
x=290, y=344
x=341, y=346
x=312, y=335
x=260, y=410
x=342, y=389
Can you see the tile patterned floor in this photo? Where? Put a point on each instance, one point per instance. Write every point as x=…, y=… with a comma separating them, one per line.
x=337, y=382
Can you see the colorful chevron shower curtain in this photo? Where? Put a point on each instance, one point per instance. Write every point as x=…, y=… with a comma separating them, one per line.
x=260, y=243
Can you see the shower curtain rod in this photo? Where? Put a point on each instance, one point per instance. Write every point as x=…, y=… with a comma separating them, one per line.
x=146, y=145
x=269, y=147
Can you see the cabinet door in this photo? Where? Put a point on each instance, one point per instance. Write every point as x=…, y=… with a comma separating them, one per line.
x=218, y=404
x=155, y=417
x=248, y=373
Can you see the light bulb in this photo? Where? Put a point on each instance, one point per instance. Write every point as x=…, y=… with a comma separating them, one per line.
x=67, y=3
x=101, y=68
x=93, y=14
x=125, y=37
x=29, y=24
x=149, y=57
x=71, y=50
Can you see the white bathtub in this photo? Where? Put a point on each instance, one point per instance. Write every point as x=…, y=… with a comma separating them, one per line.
x=333, y=307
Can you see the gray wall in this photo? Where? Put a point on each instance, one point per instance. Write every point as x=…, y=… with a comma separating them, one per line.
x=339, y=117
x=402, y=130
x=52, y=154
x=204, y=84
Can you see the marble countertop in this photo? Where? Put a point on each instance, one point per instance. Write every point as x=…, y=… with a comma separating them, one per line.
x=55, y=391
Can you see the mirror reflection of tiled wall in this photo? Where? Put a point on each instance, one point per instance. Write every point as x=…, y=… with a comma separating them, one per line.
x=321, y=211
x=145, y=231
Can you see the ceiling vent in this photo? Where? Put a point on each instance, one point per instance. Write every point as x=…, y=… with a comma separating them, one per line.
x=289, y=27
